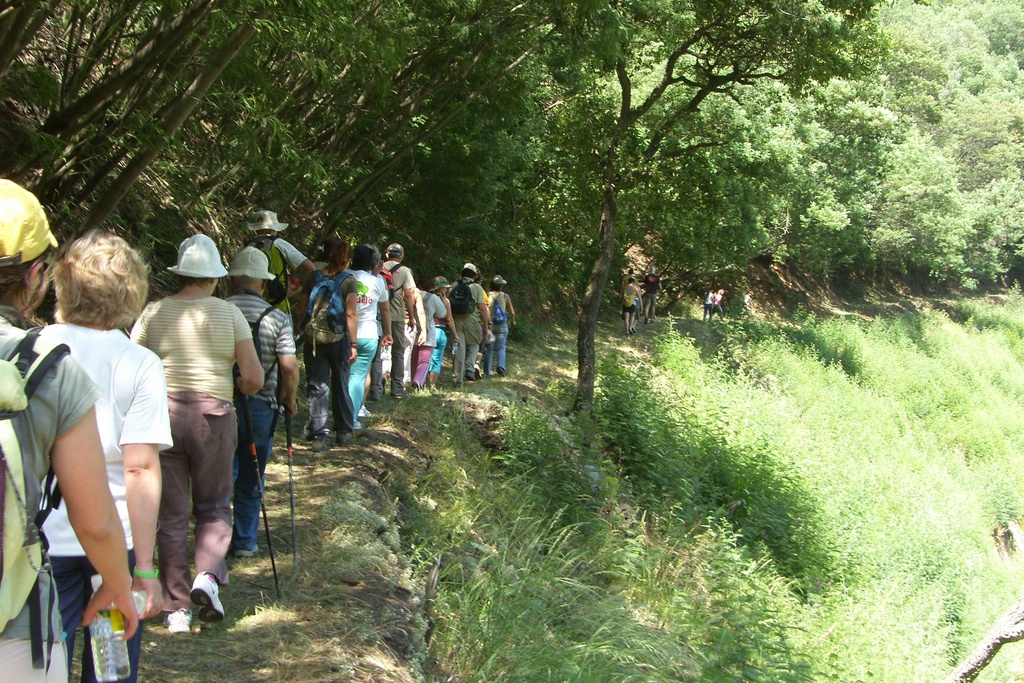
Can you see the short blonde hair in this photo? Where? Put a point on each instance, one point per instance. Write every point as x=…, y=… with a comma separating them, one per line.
x=100, y=280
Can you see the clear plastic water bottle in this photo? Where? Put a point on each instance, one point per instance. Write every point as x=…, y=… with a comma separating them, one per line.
x=109, y=648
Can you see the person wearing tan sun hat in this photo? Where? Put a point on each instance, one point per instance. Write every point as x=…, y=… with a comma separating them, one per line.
x=59, y=421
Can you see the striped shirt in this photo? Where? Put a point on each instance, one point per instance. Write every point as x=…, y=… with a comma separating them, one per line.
x=195, y=339
x=275, y=338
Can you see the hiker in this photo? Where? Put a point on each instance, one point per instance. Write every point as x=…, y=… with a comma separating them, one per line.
x=630, y=305
x=405, y=311
x=652, y=287
x=59, y=420
x=372, y=310
x=326, y=352
x=285, y=260
x=444, y=328
x=101, y=285
x=472, y=322
x=748, y=303
x=433, y=309
x=709, y=305
x=275, y=347
x=502, y=317
x=719, y=295
x=199, y=338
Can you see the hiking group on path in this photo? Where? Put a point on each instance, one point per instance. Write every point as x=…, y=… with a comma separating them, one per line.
x=120, y=441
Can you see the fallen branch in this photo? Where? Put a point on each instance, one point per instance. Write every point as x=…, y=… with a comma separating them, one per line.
x=1008, y=629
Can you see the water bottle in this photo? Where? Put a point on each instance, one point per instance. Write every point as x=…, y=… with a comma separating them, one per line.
x=109, y=648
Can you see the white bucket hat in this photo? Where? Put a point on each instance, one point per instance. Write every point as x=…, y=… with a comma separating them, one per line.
x=266, y=220
x=198, y=257
x=251, y=262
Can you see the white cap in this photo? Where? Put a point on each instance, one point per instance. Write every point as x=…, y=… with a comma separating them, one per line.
x=266, y=220
x=251, y=262
x=198, y=257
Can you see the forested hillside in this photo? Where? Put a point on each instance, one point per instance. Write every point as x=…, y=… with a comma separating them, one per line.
x=544, y=140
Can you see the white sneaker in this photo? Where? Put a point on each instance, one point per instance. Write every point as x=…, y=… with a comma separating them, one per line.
x=179, y=621
x=363, y=412
x=204, y=594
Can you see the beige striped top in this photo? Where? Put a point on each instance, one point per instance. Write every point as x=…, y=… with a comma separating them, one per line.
x=195, y=339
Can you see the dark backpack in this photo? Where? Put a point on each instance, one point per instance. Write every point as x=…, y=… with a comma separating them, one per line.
x=326, y=309
x=255, y=327
x=276, y=292
x=461, y=299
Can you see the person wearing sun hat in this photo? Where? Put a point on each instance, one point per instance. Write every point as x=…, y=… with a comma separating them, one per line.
x=284, y=259
x=445, y=329
x=60, y=422
x=275, y=344
x=200, y=339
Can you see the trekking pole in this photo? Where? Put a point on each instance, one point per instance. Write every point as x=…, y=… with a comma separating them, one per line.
x=247, y=416
x=291, y=489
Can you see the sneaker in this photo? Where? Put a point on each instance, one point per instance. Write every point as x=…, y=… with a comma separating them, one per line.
x=363, y=412
x=204, y=594
x=320, y=443
x=179, y=621
x=476, y=372
x=501, y=371
x=342, y=438
x=245, y=552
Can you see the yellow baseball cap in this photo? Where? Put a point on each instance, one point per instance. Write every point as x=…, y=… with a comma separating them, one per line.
x=24, y=230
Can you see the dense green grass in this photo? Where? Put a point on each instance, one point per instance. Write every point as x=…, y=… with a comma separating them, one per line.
x=809, y=503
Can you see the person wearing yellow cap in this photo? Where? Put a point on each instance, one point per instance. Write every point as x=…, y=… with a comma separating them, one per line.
x=59, y=421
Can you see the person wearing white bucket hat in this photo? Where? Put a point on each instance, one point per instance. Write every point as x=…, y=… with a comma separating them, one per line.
x=275, y=345
x=283, y=258
x=199, y=338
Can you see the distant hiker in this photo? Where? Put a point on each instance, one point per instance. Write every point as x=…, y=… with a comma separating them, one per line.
x=405, y=311
x=630, y=305
x=58, y=422
x=652, y=287
x=709, y=305
x=286, y=262
x=373, y=318
x=445, y=330
x=274, y=340
x=472, y=321
x=327, y=346
x=503, y=315
x=719, y=295
x=748, y=303
x=101, y=285
x=199, y=338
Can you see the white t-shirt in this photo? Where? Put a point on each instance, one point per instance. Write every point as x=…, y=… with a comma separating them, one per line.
x=370, y=290
x=132, y=409
x=292, y=256
x=433, y=307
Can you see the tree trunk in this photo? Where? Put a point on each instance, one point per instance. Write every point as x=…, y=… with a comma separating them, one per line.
x=586, y=356
x=173, y=120
x=1008, y=629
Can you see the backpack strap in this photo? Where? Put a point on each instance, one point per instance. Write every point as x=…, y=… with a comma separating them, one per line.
x=259, y=346
x=34, y=369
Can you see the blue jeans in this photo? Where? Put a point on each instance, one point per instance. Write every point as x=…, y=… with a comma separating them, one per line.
x=366, y=351
x=327, y=385
x=500, y=331
x=243, y=471
x=72, y=577
x=438, y=356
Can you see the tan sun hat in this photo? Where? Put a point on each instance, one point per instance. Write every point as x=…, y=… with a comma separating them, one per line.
x=198, y=257
x=24, y=231
x=266, y=220
x=251, y=262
